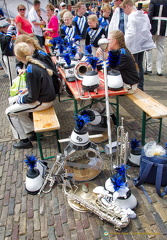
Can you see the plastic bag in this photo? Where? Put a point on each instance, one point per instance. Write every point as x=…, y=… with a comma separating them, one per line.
x=18, y=83
x=152, y=149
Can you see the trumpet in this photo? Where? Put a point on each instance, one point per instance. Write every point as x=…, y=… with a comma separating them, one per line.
x=53, y=176
x=122, y=145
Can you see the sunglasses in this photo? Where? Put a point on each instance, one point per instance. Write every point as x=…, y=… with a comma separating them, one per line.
x=22, y=9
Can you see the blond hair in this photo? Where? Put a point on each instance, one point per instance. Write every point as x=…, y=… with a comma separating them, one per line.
x=119, y=37
x=20, y=5
x=67, y=14
x=93, y=17
x=78, y=6
x=127, y=2
x=22, y=50
x=51, y=7
x=106, y=7
x=27, y=39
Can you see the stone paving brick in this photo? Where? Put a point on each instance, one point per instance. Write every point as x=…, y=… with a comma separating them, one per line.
x=19, y=182
x=58, y=226
x=13, y=191
x=37, y=235
x=50, y=218
x=51, y=233
x=63, y=214
x=3, y=181
x=56, y=209
x=11, y=206
x=24, y=204
x=36, y=221
x=2, y=191
x=89, y=234
x=17, y=211
x=14, y=176
x=66, y=230
x=30, y=211
x=2, y=232
x=36, y=202
x=160, y=223
x=30, y=229
x=94, y=227
x=6, y=198
x=162, y=212
x=4, y=216
x=85, y=220
x=23, y=224
x=8, y=183
x=1, y=171
x=44, y=230
x=71, y=221
x=9, y=226
x=15, y=234
x=80, y=230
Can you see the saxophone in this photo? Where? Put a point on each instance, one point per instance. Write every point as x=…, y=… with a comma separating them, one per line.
x=111, y=213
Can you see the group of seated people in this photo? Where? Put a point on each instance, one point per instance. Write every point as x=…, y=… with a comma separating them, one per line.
x=39, y=93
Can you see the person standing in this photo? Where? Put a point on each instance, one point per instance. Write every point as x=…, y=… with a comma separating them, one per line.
x=22, y=23
x=119, y=18
x=94, y=33
x=36, y=22
x=138, y=37
x=6, y=47
x=80, y=22
x=62, y=7
x=158, y=18
x=105, y=19
x=53, y=25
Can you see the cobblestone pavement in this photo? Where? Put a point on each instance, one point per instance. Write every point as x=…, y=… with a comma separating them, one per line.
x=24, y=216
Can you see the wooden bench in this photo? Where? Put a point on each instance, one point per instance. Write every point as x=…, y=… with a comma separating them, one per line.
x=46, y=121
x=150, y=107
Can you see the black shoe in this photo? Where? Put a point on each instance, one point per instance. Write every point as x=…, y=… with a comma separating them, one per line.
x=23, y=145
x=159, y=74
x=148, y=72
x=114, y=119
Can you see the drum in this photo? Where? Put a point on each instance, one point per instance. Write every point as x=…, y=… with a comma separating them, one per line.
x=85, y=164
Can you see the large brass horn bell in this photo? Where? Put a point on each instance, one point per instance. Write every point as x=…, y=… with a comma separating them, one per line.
x=80, y=70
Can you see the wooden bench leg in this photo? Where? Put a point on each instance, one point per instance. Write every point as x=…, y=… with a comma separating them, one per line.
x=143, y=129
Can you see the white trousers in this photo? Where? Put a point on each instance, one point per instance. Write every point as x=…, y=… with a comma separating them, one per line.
x=10, y=63
x=159, y=41
x=18, y=117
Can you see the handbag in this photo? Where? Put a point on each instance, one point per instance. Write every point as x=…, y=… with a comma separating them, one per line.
x=153, y=170
x=18, y=83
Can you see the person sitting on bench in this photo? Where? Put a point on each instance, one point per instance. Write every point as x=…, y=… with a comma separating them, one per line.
x=126, y=65
x=38, y=95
